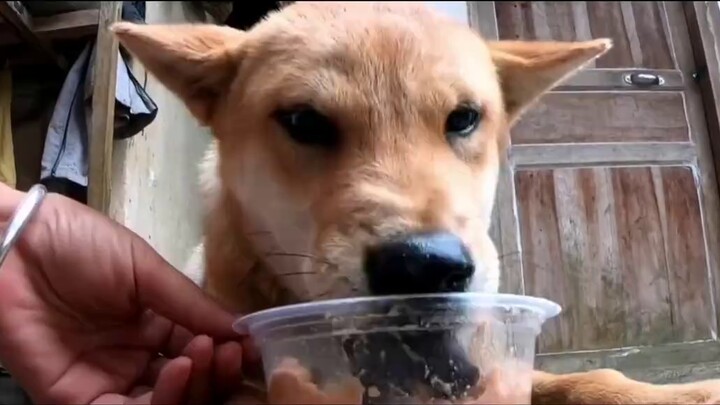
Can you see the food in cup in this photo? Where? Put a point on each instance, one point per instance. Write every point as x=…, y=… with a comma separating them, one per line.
x=459, y=348
x=291, y=383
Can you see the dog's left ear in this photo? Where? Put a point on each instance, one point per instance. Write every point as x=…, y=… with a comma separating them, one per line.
x=527, y=69
x=197, y=62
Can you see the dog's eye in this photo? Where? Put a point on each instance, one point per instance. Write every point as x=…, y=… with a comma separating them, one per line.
x=307, y=126
x=462, y=121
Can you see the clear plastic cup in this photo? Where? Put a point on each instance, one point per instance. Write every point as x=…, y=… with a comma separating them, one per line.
x=458, y=348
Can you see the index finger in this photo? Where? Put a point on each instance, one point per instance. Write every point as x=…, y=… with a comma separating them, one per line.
x=168, y=292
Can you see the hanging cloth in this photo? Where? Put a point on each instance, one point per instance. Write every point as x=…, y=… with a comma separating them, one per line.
x=7, y=153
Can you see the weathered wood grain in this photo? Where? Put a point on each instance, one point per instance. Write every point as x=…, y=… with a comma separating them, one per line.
x=616, y=193
x=103, y=109
x=483, y=18
x=602, y=154
x=535, y=191
x=699, y=47
x=631, y=25
x=616, y=79
x=622, y=249
x=685, y=253
x=504, y=228
x=642, y=266
x=669, y=363
x=577, y=117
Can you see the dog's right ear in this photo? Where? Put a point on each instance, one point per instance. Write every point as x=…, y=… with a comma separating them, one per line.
x=197, y=62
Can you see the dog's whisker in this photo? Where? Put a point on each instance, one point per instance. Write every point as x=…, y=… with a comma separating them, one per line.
x=298, y=273
x=300, y=255
x=306, y=256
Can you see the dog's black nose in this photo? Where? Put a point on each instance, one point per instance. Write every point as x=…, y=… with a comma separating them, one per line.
x=419, y=264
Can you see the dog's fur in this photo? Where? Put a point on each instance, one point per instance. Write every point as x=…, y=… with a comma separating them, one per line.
x=286, y=223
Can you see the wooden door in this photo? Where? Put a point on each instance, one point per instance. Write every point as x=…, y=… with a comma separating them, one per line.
x=609, y=203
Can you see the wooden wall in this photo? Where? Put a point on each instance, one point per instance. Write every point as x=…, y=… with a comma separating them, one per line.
x=609, y=204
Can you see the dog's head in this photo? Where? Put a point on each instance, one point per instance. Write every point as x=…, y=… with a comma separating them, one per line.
x=362, y=140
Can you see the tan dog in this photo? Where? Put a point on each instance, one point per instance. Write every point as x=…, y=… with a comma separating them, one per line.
x=349, y=134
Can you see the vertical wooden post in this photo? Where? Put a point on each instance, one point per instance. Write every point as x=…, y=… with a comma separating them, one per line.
x=103, y=108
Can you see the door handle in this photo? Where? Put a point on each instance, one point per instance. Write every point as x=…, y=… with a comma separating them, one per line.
x=643, y=79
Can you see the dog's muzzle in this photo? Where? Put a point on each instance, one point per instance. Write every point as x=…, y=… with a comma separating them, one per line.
x=431, y=361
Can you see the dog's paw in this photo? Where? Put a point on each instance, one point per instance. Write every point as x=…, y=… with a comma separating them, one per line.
x=612, y=387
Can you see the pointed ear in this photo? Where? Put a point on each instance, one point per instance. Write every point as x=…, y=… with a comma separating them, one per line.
x=196, y=62
x=527, y=69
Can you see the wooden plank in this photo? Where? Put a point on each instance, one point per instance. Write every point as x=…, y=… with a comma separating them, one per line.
x=620, y=154
x=702, y=55
x=103, y=108
x=704, y=23
x=677, y=26
x=677, y=362
x=622, y=249
x=482, y=18
x=661, y=222
x=683, y=373
x=642, y=261
x=649, y=27
x=618, y=79
x=15, y=14
x=685, y=249
x=541, y=242
x=71, y=25
x=504, y=226
x=509, y=250
x=566, y=117
x=629, y=24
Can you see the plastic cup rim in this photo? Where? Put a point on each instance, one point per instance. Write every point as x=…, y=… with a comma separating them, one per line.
x=544, y=308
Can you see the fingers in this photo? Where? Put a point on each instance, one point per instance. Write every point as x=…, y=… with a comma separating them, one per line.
x=166, y=291
x=152, y=372
x=251, y=351
x=171, y=386
x=178, y=341
x=112, y=399
x=227, y=367
x=200, y=351
x=216, y=370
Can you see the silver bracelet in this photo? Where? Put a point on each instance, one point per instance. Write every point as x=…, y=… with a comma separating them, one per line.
x=20, y=218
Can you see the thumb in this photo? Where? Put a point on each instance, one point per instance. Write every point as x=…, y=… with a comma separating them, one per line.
x=165, y=290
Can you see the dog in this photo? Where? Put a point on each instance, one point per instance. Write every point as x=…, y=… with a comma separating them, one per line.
x=356, y=152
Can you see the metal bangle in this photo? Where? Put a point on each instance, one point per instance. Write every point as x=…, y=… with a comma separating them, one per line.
x=20, y=218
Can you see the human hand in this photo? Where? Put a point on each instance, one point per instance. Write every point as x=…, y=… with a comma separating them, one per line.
x=86, y=306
